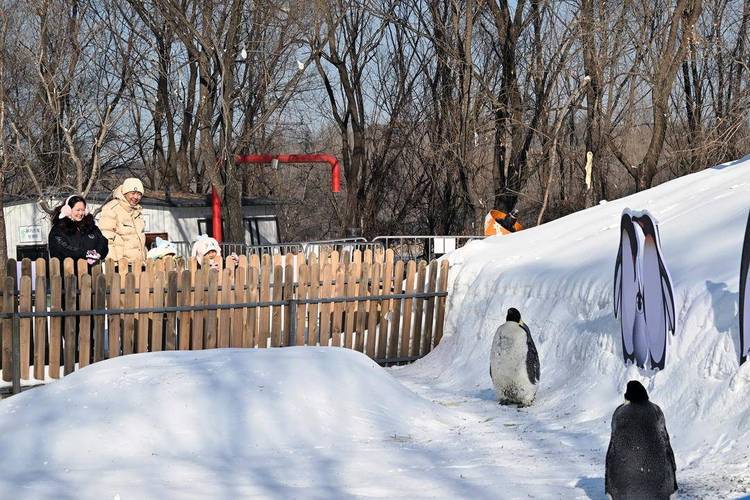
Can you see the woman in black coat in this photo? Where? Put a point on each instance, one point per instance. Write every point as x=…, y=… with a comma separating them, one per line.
x=74, y=233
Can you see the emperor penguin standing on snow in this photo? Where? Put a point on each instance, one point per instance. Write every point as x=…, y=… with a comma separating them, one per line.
x=514, y=362
x=640, y=460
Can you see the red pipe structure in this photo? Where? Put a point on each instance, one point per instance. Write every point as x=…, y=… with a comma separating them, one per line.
x=281, y=158
x=216, y=214
x=302, y=158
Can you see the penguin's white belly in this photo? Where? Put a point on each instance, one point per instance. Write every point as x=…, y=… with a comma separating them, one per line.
x=509, y=373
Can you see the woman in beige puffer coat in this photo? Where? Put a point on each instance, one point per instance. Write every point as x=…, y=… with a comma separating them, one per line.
x=121, y=222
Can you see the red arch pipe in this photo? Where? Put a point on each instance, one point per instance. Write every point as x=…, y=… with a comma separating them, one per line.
x=281, y=158
x=299, y=158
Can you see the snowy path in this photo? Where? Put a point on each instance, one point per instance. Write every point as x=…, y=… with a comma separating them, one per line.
x=514, y=453
x=528, y=453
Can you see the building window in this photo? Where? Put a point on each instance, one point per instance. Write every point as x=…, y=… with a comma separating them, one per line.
x=261, y=230
x=32, y=252
x=206, y=226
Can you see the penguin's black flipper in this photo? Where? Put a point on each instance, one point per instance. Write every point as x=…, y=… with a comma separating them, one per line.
x=626, y=284
x=664, y=435
x=532, y=356
x=745, y=297
x=609, y=463
x=658, y=298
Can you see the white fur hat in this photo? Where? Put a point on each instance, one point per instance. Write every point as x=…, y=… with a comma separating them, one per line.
x=204, y=244
x=132, y=184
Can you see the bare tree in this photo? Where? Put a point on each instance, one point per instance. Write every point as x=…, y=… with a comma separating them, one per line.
x=668, y=38
x=559, y=121
x=242, y=72
x=439, y=110
x=518, y=113
x=5, y=162
x=450, y=107
x=65, y=126
x=715, y=95
x=350, y=36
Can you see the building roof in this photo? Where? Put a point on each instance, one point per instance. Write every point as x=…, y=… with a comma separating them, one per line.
x=159, y=199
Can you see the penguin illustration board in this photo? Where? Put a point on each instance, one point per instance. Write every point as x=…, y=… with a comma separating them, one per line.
x=745, y=297
x=643, y=297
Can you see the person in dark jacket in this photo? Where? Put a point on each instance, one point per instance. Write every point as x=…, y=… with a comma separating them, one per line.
x=640, y=460
x=74, y=233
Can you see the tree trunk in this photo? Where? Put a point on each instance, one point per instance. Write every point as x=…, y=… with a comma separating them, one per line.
x=355, y=178
x=592, y=69
x=685, y=15
x=3, y=238
x=232, y=206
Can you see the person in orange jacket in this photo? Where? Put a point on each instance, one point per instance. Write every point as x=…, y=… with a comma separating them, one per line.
x=498, y=222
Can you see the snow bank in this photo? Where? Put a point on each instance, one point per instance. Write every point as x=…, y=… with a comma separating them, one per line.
x=222, y=423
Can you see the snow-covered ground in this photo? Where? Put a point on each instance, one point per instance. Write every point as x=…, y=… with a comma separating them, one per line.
x=329, y=423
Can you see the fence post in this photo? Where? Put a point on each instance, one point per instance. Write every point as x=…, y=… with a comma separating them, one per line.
x=292, y=322
x=16, y=354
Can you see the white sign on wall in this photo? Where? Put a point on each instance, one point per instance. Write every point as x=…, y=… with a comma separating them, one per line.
x=30, y=234
x=444, y=245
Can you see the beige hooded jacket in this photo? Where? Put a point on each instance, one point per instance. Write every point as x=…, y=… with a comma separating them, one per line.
x=123, y=226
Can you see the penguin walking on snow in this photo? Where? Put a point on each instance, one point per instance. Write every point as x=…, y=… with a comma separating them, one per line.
x=640, y=461
x=514, y=362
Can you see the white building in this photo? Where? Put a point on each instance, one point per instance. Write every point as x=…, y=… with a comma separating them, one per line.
x=178, y=218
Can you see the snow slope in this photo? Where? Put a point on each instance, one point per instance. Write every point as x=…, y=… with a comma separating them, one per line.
x=329, y=423
x=560, y=276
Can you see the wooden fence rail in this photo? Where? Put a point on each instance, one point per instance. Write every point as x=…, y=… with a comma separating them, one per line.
x=66, y=315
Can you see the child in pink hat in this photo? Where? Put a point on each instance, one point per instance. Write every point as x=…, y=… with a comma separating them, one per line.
x=205, y=246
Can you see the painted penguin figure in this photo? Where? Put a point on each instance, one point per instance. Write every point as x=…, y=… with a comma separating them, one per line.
x=514, y=362
x=745, y=296
x=640, y=461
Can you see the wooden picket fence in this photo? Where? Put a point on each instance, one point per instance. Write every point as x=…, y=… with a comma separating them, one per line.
x=70, y=314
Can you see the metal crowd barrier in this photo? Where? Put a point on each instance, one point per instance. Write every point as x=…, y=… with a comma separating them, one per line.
x=340, y=245
x=184, y=248
x=405, y=247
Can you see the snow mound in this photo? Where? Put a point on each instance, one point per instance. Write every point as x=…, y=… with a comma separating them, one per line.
x=153, y=424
